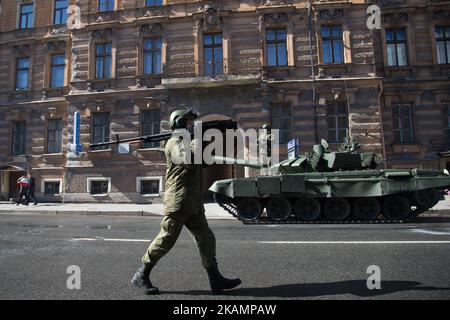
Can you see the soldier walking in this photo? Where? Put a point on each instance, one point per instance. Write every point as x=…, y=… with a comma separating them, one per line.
x=183, y=206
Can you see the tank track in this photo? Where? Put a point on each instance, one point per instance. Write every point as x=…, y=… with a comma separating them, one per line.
x=231, y=209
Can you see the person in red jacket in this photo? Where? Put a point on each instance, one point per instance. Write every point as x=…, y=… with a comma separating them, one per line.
x=24, y=184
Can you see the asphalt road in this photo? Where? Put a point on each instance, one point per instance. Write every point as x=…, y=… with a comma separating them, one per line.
x=274, y=262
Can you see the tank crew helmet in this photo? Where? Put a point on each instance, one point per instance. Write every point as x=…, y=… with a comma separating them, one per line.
x=179, y=118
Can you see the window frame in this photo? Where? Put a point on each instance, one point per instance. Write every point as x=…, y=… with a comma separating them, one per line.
x=445, y=40
x=332, y=41
x=213, y=46
x=396, y=42
x=161, y=2
x=108, y=5
x=26, y=15
x=51, y=180
x=153, y=145
x=289, y=117
x=153, y=52
x=446, y=117
x=154, y=178
x=276, y=42
x=98, y=179
x=107, y=137
x=61, y=12
x=336, y=116
x=23, y=137
x=58, y=132
x=103, y=56
x=399, y=119
x=16, y=87
x=63, y=66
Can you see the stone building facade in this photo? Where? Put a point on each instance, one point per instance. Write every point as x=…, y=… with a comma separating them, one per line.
x=129, y=64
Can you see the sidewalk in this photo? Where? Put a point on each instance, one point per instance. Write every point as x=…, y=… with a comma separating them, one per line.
x=213, y=211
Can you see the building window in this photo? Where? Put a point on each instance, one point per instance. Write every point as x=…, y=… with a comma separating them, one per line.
x=153, y=2
x=52, y=188
x=22, y=73
x=150, y=124
x=99, y=186
x=447, y=122
x=100, y=128
x=282, y=121
x=103, y=60
x=152, y=56
x=403, y=123
x=337, y=120
x=54, y=135
x=105, y=5
x=276, y=42
x=149, y=186
x=443, y=44
x=333, y=45
x=18, y=138
x=60, y=12
x=57, y=70
x=396, y=47
x=213, y=54
x=26, y=16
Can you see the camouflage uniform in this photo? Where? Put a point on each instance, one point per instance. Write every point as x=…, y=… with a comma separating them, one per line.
x=183, y=206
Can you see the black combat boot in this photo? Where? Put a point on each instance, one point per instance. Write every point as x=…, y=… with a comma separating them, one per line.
x=218, y=282
x=141, y=279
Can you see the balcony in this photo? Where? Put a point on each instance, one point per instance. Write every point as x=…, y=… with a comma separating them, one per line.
x=183, y=74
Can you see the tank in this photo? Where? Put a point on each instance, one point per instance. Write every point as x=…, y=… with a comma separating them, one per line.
x=324, y=186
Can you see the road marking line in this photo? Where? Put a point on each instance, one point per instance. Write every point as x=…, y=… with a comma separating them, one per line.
x=110, y=240
x=283, y=242
x=437, y=233
x=354, y=242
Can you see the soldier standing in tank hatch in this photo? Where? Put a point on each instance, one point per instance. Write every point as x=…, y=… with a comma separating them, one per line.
x=183, y=206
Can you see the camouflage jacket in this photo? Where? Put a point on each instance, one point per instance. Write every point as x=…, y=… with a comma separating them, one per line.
x=183, y=191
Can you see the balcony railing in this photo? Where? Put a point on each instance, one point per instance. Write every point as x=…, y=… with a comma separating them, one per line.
x=241, y=67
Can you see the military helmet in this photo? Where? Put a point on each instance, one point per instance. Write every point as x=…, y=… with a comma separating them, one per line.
x=266, y=126
x=178, y=118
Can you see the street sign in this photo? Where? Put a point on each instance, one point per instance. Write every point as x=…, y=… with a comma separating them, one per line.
x=76, y=133
x=124, y=148
x=293, y=148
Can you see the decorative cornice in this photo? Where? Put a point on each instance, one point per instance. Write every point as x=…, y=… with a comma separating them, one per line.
x=149, y=29
x=100, y=34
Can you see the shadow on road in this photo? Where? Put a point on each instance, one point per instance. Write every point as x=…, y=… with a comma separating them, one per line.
x=353, y=287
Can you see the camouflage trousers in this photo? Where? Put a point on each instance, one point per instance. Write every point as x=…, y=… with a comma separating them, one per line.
x=171, y=227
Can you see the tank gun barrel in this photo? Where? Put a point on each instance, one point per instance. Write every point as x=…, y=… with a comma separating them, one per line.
x=221, y=125
x=240, y=162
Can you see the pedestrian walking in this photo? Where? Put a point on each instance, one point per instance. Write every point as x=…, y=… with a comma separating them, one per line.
x=23, y=194
x=31, y=189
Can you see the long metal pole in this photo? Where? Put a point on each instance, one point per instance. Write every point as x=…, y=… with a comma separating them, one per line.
x=313, y=72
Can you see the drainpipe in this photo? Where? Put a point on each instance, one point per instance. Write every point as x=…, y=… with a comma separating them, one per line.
x=381, y=104
x=313, y=72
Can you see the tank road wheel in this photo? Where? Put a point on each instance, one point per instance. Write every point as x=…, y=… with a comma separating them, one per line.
x=426, y=199
x=307, y=209
x=396, y=208
x=336, y=209
x=366, y=209
x=278, y=209
x=249, y=209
